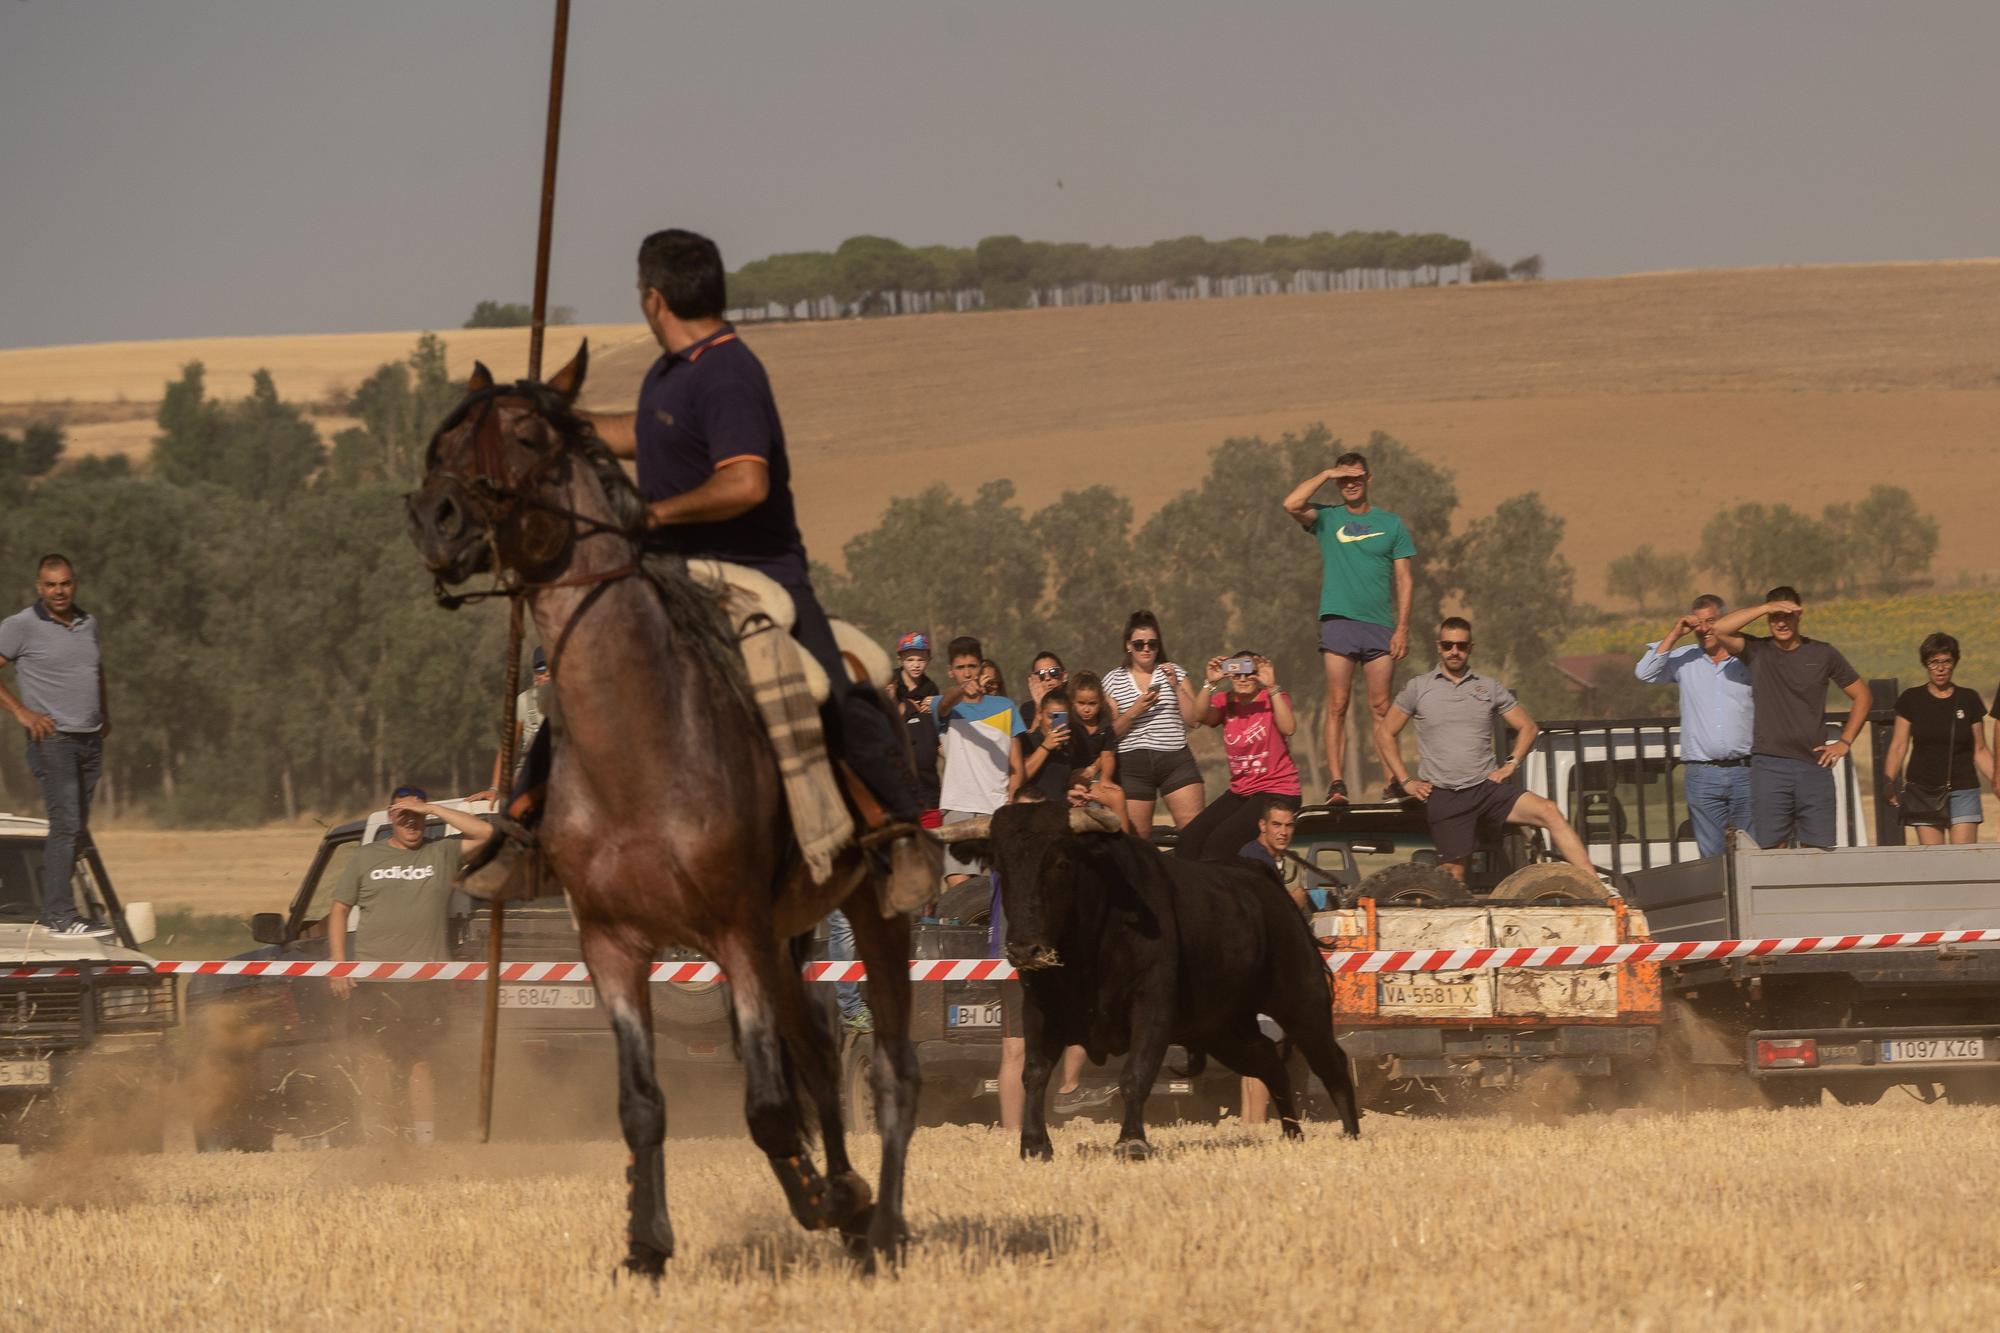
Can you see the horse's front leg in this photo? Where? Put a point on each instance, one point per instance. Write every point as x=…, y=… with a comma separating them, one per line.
x=623, y=983
x=884, y=945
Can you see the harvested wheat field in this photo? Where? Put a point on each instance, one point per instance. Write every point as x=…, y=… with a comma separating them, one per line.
x=1636, y=405
x=1830, y=1218
x=210, y=870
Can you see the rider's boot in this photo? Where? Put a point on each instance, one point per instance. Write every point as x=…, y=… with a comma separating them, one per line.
x=508, y=866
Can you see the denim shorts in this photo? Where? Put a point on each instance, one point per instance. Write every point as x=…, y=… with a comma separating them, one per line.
x=1963, y=808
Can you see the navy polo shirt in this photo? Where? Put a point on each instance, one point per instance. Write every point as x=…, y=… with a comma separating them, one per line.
x=700, y=408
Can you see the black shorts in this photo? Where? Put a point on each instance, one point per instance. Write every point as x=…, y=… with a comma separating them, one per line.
x=407, y=1018
x=1362, y=640
x=1147, y=775
x=1459, y=819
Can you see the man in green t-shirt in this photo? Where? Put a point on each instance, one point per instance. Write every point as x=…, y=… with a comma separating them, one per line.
x=402, y=886
x=1364, y=599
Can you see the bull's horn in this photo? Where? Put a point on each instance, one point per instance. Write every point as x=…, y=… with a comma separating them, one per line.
x=1093, y=819
x=977, y=829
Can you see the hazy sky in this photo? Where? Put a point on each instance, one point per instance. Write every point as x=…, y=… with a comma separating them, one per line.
x=244, y=166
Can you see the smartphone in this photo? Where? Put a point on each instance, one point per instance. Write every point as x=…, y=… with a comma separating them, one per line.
x=1240, y=666
x=1058, y=720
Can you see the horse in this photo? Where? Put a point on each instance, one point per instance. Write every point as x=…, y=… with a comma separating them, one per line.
x=665, y=819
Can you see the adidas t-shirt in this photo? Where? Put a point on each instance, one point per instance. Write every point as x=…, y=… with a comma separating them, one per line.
x=976, y=743
x=1357, y=555
x=404, y=897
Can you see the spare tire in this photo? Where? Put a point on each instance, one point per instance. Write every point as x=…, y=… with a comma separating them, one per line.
x=1552, y=882
x=970, y=902
x=1412, y=886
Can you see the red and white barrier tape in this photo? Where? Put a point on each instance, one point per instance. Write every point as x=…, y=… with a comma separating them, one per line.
x=993, y=969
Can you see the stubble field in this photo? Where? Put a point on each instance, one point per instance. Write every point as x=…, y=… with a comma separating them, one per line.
x=1827, y=1218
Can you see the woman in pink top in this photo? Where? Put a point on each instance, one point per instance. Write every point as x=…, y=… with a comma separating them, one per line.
x=1255, y=717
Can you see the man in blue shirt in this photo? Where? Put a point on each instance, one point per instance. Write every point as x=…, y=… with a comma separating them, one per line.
x=717, y=480
x=1716, y=720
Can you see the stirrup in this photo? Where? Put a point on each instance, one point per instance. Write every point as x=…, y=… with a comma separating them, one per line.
x=518, y=872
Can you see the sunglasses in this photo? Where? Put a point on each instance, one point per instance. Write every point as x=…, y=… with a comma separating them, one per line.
x=1454, y=645
x=1049, y=673
x=1144, y=645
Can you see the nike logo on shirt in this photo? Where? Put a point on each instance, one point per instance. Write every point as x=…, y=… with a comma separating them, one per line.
x=1346, y=536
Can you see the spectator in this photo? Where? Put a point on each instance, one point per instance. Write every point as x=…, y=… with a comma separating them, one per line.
x=1791, y=780
x=403, y=886
x=1255, y=717
x=1090, y=720
x=990, y=679
x=1465, y=797
x=913, y=694
x=1152, y=706
x=1046, y=674
x=1277, y=819
x=59, y=671
x=980, y=744
x=1061, y=753
x=1937, y=729
x=1366, y=581
x=1716, y=716
x=531, y=708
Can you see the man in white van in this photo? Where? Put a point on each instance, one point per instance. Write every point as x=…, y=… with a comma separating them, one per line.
x=403, y=885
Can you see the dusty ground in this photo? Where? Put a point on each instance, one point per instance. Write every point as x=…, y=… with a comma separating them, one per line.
x=1636, y=405
x=1823, y=1218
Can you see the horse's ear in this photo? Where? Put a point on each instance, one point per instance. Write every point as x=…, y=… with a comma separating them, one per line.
x=482, y=378
x=568, y=382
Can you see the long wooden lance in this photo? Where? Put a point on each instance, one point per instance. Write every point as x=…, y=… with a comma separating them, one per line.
x=497, y=912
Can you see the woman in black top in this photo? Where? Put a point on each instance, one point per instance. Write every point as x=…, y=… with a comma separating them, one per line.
x=1938, y=729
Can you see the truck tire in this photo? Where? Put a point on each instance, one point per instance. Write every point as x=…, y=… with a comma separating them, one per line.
x=691, y=1003
x=970, y=902
x=1552, y=883
x=1412, y=886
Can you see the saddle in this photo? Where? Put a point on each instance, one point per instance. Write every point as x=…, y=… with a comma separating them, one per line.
x=789, y=687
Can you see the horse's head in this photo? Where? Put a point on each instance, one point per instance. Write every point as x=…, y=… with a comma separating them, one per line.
x=496, y=479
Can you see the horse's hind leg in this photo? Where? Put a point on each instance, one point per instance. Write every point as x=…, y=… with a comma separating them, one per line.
x=757, y=983
x=622, y=978
x=813, y=1048
x=884, y=945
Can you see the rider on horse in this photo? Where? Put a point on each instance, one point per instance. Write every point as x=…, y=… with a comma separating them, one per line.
x=716, y=478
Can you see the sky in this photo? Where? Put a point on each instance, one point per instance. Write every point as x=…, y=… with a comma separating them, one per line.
x=223, y=167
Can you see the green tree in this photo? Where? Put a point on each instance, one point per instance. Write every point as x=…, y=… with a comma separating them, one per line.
x=1518, y=593
x=188, y=448
x=500, y=315
x=32, y=453
x=1650, y=580
x=1754, y=547
x=1885, y=541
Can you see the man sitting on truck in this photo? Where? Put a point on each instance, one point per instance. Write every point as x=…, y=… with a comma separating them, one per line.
x=403, y=885
x=1792, y=797
x=1467, y=799
x=1716, y=712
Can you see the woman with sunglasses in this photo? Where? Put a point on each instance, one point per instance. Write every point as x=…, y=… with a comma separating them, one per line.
x=1152, y=707
x=1046, y=676
x=1256, y=719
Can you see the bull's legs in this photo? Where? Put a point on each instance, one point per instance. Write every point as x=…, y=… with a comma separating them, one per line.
x=1256, y=1056
x=1044, y=1050
x=1314, y=1039
x=621, y=978
x=1135, y=1083
x=884, y=946
x=757, y=977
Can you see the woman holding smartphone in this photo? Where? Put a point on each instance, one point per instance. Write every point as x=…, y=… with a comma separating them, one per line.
x=1152, y=707
x=1256, y=719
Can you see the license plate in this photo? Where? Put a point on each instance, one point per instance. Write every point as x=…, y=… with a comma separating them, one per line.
x=1432, y=994
x=25, y=1074
x=1933, y=1048
x=972, y=1016
x=548, y=997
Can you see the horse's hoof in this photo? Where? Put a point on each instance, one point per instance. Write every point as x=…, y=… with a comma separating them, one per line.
x=1132, y=1150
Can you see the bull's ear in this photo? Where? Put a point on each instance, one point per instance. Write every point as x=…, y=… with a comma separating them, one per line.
x=568, y=382
x=481, y=378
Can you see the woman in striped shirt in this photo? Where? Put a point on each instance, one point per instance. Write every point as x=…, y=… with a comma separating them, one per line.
x=1152, y=707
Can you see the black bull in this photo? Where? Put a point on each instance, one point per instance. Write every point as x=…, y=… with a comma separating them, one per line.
x=1125, y=951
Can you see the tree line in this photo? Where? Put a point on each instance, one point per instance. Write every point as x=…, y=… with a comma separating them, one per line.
x=270, y=641
x=1880, y=543
x=876, y=275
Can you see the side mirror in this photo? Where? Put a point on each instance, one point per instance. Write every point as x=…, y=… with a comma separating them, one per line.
x=141, y=922
x=267, y=928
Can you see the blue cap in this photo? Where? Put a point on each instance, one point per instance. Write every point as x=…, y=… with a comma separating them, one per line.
x=916, y=641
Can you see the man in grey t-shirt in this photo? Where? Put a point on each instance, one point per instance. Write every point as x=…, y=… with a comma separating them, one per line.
x=1465, y=796
x=1792, y=796
x=57, y=667
x=403, y=887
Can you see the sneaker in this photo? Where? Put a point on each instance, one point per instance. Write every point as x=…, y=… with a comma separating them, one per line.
x=1083, y=1095
x=1392, y=790
x=94, y=929
x=1336, y=792
x=858, y=1023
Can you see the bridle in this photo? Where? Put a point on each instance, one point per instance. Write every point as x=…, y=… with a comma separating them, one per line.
x=496, y=497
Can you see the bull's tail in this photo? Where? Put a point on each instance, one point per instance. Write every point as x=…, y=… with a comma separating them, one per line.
x=1197, y=1061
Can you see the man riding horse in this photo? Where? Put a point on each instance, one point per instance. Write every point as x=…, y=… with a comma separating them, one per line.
x=717, y=482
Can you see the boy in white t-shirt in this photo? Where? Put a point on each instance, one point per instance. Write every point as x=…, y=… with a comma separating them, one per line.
x=979, y=749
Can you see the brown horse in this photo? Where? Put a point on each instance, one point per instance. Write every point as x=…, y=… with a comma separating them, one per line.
x=665, y=818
